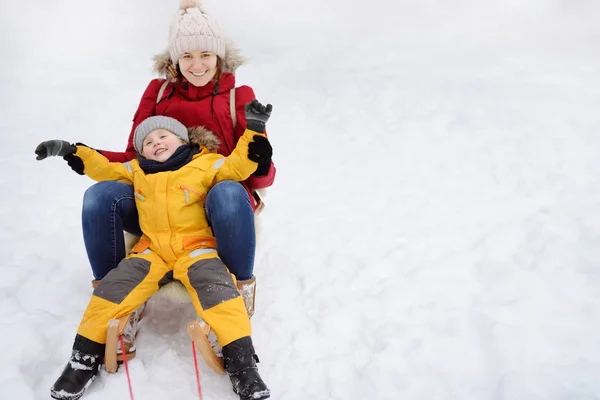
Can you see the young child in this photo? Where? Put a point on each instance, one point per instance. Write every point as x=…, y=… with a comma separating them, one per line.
x=170, y=179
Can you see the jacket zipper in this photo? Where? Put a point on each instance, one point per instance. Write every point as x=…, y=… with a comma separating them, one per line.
x=186, y=191
x=138, y=194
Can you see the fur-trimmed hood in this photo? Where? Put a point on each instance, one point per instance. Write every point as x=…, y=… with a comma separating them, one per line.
x=204, y=138
x=233, y=59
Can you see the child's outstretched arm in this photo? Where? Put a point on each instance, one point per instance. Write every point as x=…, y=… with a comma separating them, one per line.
x=85, y=160
x=253, y=151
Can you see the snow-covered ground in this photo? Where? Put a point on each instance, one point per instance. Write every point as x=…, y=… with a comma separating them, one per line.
x=434, y=230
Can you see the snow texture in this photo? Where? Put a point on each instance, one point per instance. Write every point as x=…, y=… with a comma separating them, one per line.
x=434, y=229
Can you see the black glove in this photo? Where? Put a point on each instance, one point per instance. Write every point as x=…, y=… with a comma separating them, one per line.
x=257, y=116
x=260, y=151
x=75, y=162
x=54, y=148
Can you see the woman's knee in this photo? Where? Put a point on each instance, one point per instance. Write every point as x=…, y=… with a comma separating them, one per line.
x=228, y=197
x=102, y=195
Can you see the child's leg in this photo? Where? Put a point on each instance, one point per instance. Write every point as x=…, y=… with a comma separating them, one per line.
x=218, y=302
x=214, y=294
x=121, y=292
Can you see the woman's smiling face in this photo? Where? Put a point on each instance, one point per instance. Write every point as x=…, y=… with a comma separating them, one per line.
x=198, y=67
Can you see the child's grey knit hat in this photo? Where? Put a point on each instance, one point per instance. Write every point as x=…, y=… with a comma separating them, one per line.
x=158, y=122
x=193, y=29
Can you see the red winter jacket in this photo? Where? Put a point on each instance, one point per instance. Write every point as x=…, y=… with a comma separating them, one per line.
x=194, y=106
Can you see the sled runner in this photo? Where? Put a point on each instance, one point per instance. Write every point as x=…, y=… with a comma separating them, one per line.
x=199, y=332
x=115, y=330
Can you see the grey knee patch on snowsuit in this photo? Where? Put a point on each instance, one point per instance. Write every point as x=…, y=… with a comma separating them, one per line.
x=212, y=282
x=121, y=281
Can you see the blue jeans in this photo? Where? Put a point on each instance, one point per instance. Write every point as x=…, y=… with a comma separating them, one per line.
x=109, y=209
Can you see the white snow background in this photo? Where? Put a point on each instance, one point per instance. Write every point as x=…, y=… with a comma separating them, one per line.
x=434, y=229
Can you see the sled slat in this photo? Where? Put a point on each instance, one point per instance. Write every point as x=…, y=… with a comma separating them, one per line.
x=199, y=334
x=115, y=329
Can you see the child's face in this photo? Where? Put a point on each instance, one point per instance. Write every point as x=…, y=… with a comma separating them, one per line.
x=198, y=67
x=160, y=144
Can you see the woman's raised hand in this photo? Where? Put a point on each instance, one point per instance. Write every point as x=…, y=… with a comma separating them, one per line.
x=259, y=150
x=257, y=116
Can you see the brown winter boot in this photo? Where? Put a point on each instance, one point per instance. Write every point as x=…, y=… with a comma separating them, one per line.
x=130, y=330
x=247, y=289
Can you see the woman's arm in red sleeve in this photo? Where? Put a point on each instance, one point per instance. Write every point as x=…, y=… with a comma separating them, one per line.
x=244, y=95
x=145, y=109
x=261, y=182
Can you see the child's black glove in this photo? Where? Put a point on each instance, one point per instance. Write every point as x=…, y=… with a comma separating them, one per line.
x=260, y=151
x=257, y=116
x=75, y=163
x=52, y=148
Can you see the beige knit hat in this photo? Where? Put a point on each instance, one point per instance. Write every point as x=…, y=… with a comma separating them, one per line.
x=193, y=29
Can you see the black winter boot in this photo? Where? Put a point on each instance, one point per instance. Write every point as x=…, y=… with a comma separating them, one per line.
x=240, y=363
x=80, y=370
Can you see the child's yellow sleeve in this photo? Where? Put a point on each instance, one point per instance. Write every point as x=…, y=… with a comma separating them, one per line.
x=237, y=166
x=97, y=167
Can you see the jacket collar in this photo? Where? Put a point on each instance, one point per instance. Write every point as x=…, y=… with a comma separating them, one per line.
x=191, y=92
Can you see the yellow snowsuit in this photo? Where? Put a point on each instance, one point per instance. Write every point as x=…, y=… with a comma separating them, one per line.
x=177, y=240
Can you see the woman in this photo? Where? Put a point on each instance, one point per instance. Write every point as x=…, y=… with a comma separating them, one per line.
x=197, y=90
